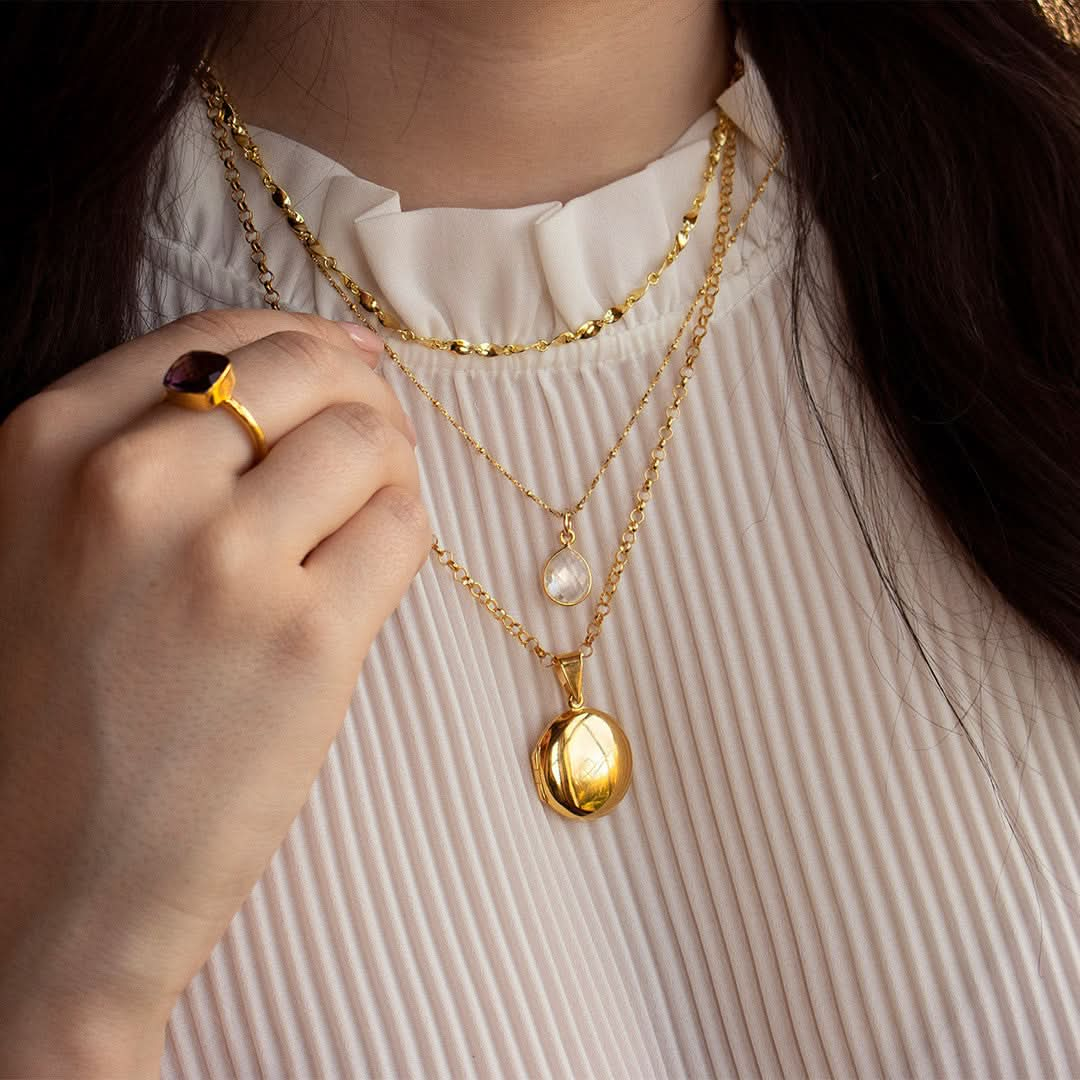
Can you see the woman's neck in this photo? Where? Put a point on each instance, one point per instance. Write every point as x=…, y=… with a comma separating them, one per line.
x=476, y=103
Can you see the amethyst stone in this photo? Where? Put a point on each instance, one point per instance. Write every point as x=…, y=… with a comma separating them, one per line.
x=195, y=372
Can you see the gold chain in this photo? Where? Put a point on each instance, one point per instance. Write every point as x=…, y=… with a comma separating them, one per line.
x=225, y=119
x=706, y=297
x=590, y=328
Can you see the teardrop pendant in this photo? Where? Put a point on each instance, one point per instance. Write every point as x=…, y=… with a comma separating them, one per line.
x=582, y=762
x=567, y=576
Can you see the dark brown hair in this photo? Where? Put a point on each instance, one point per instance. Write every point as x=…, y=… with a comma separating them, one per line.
x=938, y=146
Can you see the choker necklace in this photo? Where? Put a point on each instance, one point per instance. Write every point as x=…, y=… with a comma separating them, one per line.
x=582, y=762
x=590, y=328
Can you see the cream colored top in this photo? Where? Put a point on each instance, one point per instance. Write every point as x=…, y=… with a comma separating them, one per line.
x=810, y=875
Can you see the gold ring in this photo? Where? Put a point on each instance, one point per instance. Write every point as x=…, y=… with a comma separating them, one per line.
x=204, y=380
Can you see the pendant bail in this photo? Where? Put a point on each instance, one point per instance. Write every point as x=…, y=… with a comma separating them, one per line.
x=568, y=670
x=567, y=536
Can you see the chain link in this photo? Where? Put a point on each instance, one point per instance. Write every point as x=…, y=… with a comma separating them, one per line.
x=216, y=113
x=223, y=119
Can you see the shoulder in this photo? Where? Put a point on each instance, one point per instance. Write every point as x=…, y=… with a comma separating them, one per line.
x=197, y=253
x=193, y=257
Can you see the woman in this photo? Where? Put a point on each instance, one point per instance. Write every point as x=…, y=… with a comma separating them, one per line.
x=281, y=799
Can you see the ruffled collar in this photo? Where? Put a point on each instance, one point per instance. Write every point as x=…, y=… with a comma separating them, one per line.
x=532, y=271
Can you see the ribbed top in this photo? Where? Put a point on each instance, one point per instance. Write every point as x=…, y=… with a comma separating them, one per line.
x=812, y=874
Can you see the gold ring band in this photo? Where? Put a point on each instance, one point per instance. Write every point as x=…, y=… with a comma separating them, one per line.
x=258, y=439
x=202, y=380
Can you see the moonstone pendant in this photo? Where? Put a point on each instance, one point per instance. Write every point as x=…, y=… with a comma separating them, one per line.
x=582, y=762
x=567, y=577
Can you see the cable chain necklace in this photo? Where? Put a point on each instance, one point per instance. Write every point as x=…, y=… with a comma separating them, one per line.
x=582, y=762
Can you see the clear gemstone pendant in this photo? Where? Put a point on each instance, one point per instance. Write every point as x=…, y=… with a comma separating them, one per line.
x=567, y=577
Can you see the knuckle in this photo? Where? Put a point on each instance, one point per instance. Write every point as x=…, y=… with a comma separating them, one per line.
x=118, y=482
x=410, y=515
x=305, y=353
x=362, y=422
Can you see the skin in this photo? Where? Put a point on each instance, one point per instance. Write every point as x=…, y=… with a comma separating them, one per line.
x=182, y=627
x=572, y=93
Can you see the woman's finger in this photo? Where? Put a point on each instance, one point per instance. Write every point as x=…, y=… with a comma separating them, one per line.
x=282, y=380
x=368, y=563
x=320, y=474
x=100, y=398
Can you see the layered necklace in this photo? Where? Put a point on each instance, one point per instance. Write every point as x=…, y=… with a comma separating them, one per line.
x=582, y=761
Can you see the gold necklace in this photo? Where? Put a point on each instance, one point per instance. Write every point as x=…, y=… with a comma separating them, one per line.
x=566, y=577
x=582, y=761
x=367, y=300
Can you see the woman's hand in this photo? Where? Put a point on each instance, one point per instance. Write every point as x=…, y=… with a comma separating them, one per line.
x=180, y=633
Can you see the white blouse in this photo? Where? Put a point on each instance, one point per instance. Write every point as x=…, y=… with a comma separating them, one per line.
x=811, y=874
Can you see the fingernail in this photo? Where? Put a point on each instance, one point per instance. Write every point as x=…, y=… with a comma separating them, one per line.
x=410, y=430
x=365, y=338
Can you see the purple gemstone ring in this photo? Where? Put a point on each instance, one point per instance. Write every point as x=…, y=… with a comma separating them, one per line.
x=204, y=380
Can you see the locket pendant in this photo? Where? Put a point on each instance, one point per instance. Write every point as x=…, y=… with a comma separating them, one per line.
x=582, y=762
x=567, y=576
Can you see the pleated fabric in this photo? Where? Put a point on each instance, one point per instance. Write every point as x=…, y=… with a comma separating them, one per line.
x=820, y=869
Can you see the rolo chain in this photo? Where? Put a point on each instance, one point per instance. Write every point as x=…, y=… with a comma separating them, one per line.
x=590, y=328
x=216, y=113
x=221, y=114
